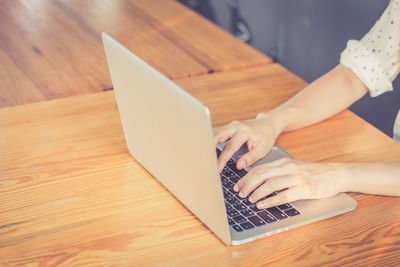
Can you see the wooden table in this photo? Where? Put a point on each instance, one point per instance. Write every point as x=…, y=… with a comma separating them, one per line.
x=52, y=49
x=70, y=193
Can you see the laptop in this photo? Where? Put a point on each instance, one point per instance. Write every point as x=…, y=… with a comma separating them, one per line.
x=169, y=132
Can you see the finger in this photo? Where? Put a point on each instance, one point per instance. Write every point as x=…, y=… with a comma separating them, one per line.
x=230, y=148
x=272, y=185
x=280, y=162
x=221, y=134
x=252, y=156
x=258, y=176
x=289, y=195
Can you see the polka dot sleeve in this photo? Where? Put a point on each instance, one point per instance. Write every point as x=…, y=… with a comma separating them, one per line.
x=375, y=58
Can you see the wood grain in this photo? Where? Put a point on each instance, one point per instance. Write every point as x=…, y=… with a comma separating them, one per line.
x=53, y=52
x=55, y=46
x=213, y=47
x=12, y=78
x=70, y=194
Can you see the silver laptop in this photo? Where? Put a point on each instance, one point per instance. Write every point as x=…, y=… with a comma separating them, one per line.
x=170, y=133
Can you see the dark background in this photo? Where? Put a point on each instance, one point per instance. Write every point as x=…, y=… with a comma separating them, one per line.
x=307, y=37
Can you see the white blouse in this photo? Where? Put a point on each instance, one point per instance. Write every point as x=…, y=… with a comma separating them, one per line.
x=375, y=58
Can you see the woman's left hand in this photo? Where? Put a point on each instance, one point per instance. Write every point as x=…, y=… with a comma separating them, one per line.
x=302, y=180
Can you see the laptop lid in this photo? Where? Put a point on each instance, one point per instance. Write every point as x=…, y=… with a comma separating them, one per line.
x=170, y=133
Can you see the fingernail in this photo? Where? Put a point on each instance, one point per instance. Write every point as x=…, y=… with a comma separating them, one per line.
x=236, y=188
x=251, y=199
x=260, y=205
x=241, y=194
x=241, y=165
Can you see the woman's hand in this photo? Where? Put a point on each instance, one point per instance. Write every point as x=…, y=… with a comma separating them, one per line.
x=258, y=134
x=297, y=179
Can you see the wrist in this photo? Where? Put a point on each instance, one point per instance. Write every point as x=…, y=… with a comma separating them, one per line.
x=270, y=124
x=279, y=119
x=345, y=181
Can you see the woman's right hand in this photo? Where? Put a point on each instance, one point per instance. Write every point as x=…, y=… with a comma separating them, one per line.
x=259, y=135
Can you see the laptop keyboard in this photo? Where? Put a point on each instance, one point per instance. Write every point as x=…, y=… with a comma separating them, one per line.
x=242, y=214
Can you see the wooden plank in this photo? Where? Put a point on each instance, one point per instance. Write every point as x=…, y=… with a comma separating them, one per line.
x=70, y=194
x=11, y=78
x=128, y=24
x=62, y=54
x=215, y=48
x=51, y=50
x=172, y=38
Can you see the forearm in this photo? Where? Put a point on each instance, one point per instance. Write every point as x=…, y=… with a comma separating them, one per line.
x=381, y=178
x=330, y=94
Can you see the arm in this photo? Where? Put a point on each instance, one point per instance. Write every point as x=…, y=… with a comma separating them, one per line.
x=325, y=97
x=330, y=94
x=374, y=64
x=374, y=178
x=308, y=180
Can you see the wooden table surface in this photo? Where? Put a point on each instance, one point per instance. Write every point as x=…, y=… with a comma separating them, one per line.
x=52, y=49
x=70, y=193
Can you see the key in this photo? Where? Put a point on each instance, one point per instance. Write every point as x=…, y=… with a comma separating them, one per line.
x=233, y=200
x=285, y=206
x=254, y=208
x=277, y=213
x=239, y=206
x=240, y=173
x=257, y=221
x=266, y=216
x=247, y=225
x=292, y=212
x=239, y=219
x=237, y=228
x=247, y=213
x=232, y=213
x=228, y=207
x=228, y=173
x=247, y=202
x=226, y=194
x=234, y=179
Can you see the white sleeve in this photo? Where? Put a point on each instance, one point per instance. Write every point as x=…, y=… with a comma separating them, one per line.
x=375, y=58
x=396, y=128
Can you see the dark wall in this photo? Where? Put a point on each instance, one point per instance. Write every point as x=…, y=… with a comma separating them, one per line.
x=307, y=37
